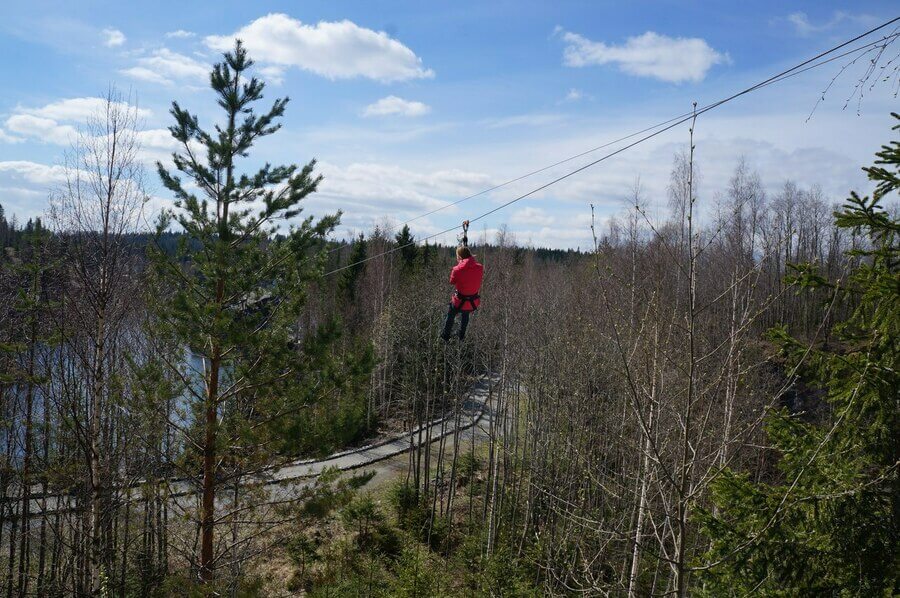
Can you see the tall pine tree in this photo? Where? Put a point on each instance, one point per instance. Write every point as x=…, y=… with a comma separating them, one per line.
x=235, y=289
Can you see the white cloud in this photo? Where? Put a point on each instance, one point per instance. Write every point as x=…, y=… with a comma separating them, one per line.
x=158, y=145
x=23, y=203
x=801, y=23
x=158, y=138
x=33, y=172
x=273, y=74
x=155, y=144
x=804, y=27
x=22, y=192
x=43, y=129
x=375, y=189
x=530, y=216
x=332, y=49
x=7, y=138
x=567, y=237
x=145, y=74
x=78, y=109
x=47, y=122
x=574, y=95
x=395, y=105
x=180, y=34
x=166, y=67
x=671, y=59
x=113, y=38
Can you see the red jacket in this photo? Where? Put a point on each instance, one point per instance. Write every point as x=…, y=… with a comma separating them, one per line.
x=466, y=276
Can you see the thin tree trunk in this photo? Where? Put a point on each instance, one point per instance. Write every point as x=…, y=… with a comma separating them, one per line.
x=686, y=462
x=25, y=511
x=642, y=499
x=45, y=449
x=96, y=558
x=13, y=537
x=208, y=508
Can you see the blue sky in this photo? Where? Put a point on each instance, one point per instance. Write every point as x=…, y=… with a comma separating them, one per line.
x=410, y=105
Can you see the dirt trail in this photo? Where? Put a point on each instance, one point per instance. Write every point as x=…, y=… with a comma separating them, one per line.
x=384, y=457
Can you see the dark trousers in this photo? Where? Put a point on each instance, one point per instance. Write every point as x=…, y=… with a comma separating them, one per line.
x=451, y=317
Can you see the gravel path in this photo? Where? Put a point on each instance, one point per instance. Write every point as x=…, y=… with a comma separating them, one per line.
x=475, y=411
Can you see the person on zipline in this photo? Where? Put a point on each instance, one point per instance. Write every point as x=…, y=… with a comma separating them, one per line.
x=466, y=276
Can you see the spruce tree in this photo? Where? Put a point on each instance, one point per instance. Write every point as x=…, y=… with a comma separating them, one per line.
x=356, y=266
x=828, y=526
x=408, y=250
x=235, y=287
x=428, y=254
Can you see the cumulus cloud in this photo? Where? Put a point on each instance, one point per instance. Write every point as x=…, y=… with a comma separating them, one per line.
x=78, y=109
x=146, y=74
x=332, y=49
x=273, y=74
x=566, y=237
x=22, y=192
x=44, y=129
x=33, y=172
x=394, y=105
x=48, y=123
x=56, y=123
x=670, y=59
x=376, y=189
x=113, y=38
x=23, y=203
x=530, y=216
x=165, y=67
x=157, y=145
x=180, y=34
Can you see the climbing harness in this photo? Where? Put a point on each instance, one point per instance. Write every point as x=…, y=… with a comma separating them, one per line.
x=463, y=299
